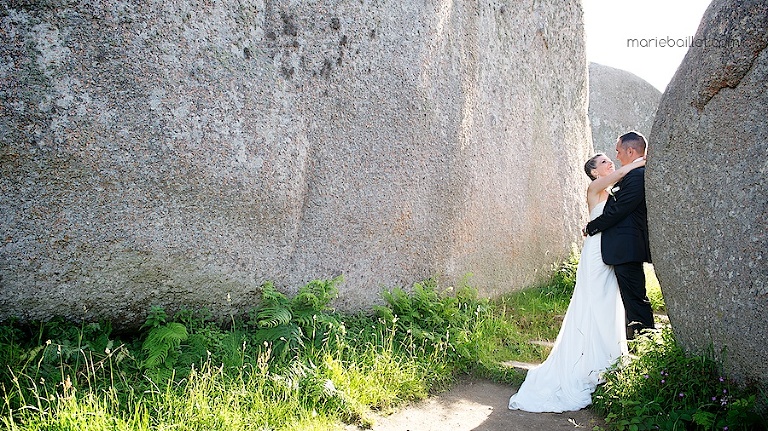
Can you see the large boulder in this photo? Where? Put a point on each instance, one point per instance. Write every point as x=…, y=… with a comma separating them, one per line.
x=707, y=190
x=619, y=101
x=182, y=153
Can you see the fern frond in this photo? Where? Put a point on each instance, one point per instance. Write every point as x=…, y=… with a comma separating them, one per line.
x=317, y=294
x=273, y=316
x=285, y=332
x=305, y=318
x=271, y=297
x=283, y=338
x=398, y=301
x=161, y=340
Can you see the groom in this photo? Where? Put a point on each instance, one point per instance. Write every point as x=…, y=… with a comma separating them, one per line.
x=624, y=224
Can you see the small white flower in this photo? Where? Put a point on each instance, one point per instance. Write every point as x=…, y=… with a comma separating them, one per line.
x=329, y=386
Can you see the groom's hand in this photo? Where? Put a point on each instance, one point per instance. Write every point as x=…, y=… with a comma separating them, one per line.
x=584, y=231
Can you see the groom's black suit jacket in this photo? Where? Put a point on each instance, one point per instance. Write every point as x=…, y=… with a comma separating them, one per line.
x=624, y=222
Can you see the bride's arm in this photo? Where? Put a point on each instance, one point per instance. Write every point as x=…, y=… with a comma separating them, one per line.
x=603, y=182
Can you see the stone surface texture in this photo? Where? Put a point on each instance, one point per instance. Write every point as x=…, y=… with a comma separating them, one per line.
x=179, y=153
x=619, y=101
x=707, y=190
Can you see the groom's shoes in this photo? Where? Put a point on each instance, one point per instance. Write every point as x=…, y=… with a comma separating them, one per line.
x=632, y=331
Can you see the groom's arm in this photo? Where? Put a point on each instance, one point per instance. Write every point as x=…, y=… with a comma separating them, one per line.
x=628, y=198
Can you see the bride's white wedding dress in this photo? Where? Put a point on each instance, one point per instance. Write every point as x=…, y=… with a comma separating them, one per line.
x=592, y=338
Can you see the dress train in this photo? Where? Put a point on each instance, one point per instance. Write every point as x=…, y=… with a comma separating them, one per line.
x=591, y=339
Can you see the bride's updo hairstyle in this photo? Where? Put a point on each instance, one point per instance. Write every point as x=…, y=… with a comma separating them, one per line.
x=592, y=164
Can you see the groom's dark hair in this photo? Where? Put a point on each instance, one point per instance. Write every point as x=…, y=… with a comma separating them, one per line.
x=635, y=140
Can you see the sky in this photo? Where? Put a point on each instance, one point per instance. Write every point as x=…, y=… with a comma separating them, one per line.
x=609, y=23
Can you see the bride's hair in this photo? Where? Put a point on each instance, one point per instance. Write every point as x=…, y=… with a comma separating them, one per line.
x=592, y=164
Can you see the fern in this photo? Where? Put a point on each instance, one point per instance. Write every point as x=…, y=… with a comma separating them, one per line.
x=161, y=343
x=317, y=294
x=270, y=296
x=274, y=310
x=290, y=325
x=272, y=317
x=284, y=339
x=399, y=302
x=433, y=319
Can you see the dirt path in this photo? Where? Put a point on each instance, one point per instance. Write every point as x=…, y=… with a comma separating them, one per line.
x=479, y=405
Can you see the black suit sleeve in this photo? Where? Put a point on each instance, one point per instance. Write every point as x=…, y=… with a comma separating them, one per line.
x=630, y=195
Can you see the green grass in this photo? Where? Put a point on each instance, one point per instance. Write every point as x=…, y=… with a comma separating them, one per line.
x=536, y=313
x=291, y=363
x=653, y=290
x=296, y=364
x=664, y=388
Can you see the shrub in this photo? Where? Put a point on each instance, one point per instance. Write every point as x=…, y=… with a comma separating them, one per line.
x=662, y=388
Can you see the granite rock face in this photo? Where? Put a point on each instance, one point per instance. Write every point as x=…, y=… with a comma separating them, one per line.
x=619, y=101
x=707, y=190
x=181, y=154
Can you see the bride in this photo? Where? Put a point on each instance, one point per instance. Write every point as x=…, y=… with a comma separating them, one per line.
x=593, y=335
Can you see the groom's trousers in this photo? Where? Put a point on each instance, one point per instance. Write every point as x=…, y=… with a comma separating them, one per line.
x=631, y=278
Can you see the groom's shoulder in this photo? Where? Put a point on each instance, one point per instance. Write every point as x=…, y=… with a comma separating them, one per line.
x=635, y=177
x=637, y=172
